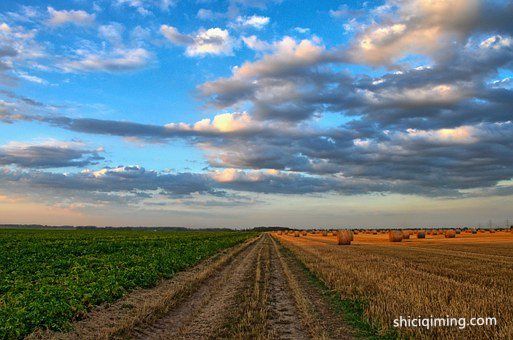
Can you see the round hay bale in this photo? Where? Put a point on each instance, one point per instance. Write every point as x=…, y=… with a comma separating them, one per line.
x=395, y=236
x=406, y=234
x=351, y=235
x=458, y=231
x=421, y=234
x=343, y=238
x=473, y=231
x=324, y=233
x=450, y=234
x=296, y=234
x=492, y=231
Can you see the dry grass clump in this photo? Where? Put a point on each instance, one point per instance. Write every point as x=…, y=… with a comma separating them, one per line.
x=395, y=236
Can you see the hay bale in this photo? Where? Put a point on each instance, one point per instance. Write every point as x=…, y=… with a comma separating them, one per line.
x=421, y=234
x=395, y=236
x=406, y=234
x=324, y=233
x=296, y=234
x=450, y=233
x=458, y=231
x=351, y=235
x=343, y=237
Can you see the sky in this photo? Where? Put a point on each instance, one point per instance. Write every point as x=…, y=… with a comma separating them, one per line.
x=242, y=113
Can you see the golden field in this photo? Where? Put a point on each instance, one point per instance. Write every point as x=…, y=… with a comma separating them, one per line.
x=470, y=275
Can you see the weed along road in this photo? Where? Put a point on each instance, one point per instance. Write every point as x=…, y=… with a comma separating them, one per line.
x=256, y=289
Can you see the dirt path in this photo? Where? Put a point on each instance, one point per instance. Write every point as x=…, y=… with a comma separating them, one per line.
x=254, y=290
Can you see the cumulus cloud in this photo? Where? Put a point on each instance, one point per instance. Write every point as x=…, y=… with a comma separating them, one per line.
x=64, y=17
x=213, y=41
x=427, y=27
x=276, y=84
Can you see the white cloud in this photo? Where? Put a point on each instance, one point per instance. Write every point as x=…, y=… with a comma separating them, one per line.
x=59, y=18
x=214, y=41
x=115, y=61
x=177, y=38
x=139, y=5
x=144, y=7
x=32, y=78
x=287, y=53
x=256, y=44
x=302, y=30
x=112, y=33
x=496, y=42
x=225, y=123
x=254, y=21
x=415, y=27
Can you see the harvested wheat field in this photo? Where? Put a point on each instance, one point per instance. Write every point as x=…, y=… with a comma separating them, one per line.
x=463, y=276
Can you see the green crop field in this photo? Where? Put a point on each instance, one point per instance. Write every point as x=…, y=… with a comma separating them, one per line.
x=51, y=277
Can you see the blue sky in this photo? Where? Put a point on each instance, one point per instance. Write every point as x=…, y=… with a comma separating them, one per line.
x=193, y=112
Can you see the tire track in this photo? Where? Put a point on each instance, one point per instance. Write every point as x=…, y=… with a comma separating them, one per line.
x=284, y=316
x=204, y=313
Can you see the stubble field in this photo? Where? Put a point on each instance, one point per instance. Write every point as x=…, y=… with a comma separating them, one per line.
x=467, y=276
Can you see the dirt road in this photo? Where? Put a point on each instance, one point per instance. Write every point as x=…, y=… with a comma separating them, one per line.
x=254, y=290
